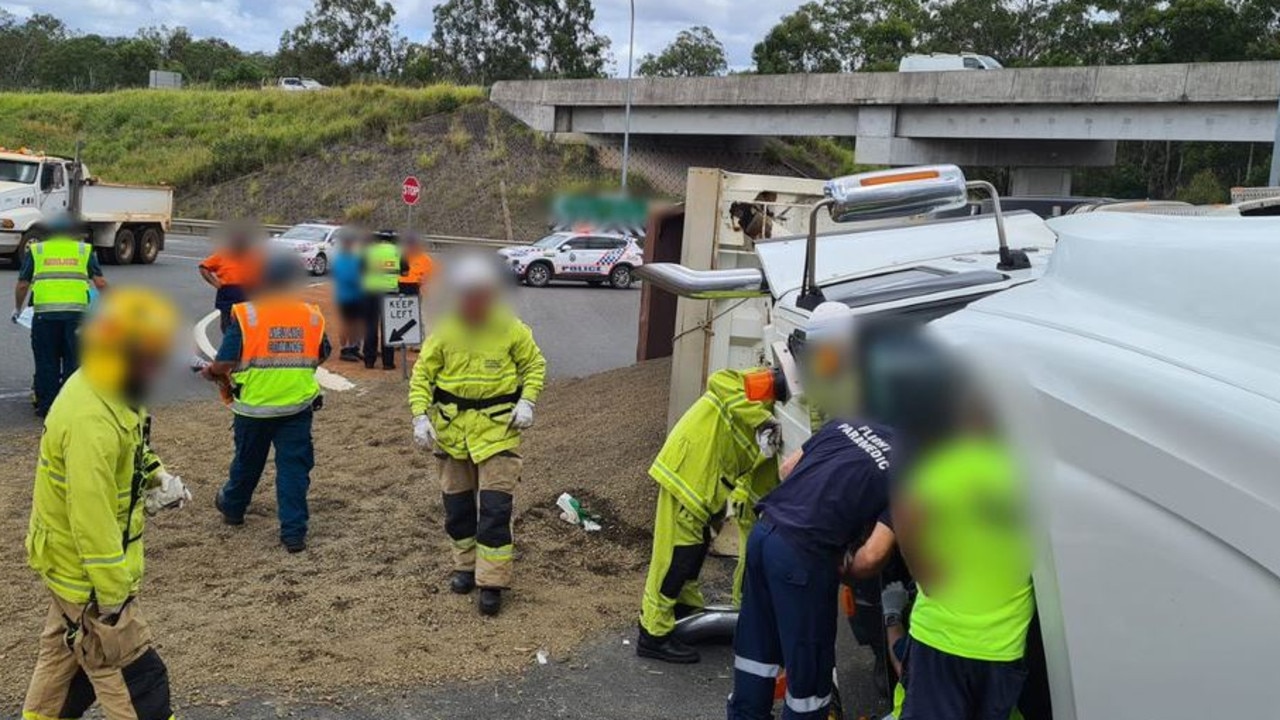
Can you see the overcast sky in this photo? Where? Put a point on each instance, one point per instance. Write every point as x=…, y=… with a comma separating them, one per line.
x=257, y=24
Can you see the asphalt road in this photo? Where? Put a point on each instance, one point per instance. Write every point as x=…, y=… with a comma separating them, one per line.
x=582, y=330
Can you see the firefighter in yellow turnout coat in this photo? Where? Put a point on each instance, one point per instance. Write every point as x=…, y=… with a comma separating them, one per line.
x=472, y=394
x=96, y=481
x=723, y=447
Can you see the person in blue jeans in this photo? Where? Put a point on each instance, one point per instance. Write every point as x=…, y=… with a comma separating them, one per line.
x=348, y=295
x=837, y=493
x=270, y=351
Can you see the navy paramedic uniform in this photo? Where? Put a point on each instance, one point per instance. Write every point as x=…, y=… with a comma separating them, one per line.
x=837, y=492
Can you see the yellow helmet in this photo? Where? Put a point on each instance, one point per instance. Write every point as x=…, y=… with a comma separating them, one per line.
x=129, y=325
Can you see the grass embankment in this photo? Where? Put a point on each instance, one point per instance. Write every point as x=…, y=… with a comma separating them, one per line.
x=192, y=137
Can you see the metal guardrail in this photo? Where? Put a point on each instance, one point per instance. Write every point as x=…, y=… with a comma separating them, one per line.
x=204, y=228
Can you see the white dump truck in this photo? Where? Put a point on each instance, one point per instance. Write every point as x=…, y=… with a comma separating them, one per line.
x=126, y=223
x=1141, y=360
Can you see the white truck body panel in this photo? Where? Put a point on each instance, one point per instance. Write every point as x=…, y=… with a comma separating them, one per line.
x=1152, y=352
x=106, y=202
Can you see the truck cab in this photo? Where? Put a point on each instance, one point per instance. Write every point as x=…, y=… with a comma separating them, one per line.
x=125, y=223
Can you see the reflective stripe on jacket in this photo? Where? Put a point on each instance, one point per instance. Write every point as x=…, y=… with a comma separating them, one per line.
x=497, y=362
x=381, y=268
x=278, y=361
x=60, y=281
x=712, y=450
x=87, y=515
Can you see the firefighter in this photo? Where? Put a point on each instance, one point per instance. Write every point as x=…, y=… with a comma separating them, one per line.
x=381, y=270
x=472, y=394
x=270, y=354
x=96, y=481
x=723, y=446
x=56, y=273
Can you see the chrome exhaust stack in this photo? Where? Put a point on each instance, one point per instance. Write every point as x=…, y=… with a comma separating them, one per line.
x=704, y=284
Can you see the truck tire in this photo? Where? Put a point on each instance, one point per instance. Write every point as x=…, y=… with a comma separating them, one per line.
x=123, y=249
x=28, y=237
x=148, y=245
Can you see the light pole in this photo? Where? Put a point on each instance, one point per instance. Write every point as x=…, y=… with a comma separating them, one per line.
x=626, y=130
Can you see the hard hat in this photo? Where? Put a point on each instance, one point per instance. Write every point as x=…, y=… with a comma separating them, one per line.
x=129, y=324
x=60, y=222
x=474, y=272
x=830, y=321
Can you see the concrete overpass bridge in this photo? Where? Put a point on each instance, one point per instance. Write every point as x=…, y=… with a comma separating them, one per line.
x=1039, y=121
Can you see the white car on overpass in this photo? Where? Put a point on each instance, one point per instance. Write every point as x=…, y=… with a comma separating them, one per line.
x=313, y=242
x=591, y=257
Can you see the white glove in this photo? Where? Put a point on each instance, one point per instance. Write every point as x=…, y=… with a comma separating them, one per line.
x=170, y=493
x=424, y=434
x=893, y=600
x=769, y=439
x=522, y=416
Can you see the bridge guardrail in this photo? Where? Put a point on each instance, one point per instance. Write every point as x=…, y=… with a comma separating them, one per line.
x=204, y=228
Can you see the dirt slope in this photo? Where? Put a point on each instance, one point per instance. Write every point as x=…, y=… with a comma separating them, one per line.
x=467, y=160
x=366, y=608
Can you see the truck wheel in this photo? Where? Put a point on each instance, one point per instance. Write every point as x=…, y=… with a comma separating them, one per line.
x=620, y=277
x=148, y=246
x=123, y=249
x=28, y=237
x=538, y=274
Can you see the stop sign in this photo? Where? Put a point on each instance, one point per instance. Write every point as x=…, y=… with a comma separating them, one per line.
x=411, y=190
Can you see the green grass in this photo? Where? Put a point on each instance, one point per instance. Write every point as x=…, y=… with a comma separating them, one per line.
x=199, y=136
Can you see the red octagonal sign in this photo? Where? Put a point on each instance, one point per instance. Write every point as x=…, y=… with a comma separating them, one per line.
x=411, y=190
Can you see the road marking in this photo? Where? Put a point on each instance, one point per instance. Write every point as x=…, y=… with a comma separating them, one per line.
x=15, y=395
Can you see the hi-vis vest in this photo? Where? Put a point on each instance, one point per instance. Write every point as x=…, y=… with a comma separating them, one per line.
x=60, y=282
x=278, y=361
x=381, y=268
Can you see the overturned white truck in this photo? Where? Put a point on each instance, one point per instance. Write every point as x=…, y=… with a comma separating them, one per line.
x=1148, y=351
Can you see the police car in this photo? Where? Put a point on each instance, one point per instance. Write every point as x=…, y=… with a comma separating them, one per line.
x=593, y=257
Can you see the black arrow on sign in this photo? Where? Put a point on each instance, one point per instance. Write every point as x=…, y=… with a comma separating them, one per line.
x=398, y=333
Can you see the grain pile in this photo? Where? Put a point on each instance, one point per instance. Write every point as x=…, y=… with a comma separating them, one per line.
x=367, y=607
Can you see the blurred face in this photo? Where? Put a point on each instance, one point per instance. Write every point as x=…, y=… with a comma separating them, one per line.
x=141, y=376
x=475, y=305
x=830, y=378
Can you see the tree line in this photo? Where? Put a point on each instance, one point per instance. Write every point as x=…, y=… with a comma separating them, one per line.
x=483, y=41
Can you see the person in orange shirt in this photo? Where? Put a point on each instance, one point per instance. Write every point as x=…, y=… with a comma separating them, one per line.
x=233, y=270
x=421, y=267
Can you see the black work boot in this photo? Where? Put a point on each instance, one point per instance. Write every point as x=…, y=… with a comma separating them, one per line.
x=462, y=582
x=217, y=503
x=294, y=545
x=665, y=648
x=490, y=601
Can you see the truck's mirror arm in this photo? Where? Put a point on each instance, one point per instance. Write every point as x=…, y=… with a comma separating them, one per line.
x=810, y=294
x=1009, y=259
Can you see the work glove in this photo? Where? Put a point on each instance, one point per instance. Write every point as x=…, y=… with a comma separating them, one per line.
x=424, y=433
x=522, y=416
x=769, y=439
x=893, y=599
x=171, y=492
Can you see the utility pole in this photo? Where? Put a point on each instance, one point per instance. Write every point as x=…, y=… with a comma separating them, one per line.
x=1275, y=156
x=626, y=130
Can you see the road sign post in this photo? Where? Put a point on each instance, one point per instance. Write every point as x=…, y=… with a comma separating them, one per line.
x=410, y=193
x=402, y=323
